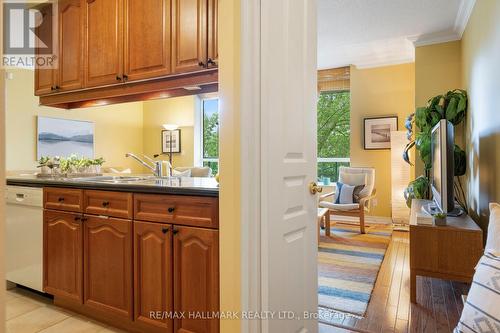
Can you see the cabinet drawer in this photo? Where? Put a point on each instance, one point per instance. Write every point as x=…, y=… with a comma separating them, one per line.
x=70, y=200
x=114, y=204
x=184, y=210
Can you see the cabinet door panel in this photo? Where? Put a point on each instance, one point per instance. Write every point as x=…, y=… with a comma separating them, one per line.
x=147, y=39
x=108, y=265
x=104, y=39
x=45, y=79
x=196, y=278
x=189, y=34
x=62, y=254
x=153, y=273
x=70, y=45
x=213, y=47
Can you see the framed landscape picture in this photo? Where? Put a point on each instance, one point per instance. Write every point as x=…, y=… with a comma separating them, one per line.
x=377, y=132
x=175, y=135
x=64, y=137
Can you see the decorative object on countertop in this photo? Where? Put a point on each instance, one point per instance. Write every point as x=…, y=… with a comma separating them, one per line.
x=73, y=166
x=453, y=107
x=65, y=137
x=377, y=132
x=439, y=219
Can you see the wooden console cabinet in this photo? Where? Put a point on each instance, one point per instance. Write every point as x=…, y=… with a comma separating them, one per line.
x=445, y=252
x=102, y=261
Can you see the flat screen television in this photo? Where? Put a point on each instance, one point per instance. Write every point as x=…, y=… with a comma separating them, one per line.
x=442, y=147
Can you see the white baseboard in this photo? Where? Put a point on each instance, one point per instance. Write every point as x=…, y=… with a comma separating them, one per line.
x=368, y=219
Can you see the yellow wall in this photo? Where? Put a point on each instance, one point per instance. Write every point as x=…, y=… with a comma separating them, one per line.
x=437, y=70
x=118, y=128
x=179, y=111
x=230, y=162
x=382, y=91
x=481, y=78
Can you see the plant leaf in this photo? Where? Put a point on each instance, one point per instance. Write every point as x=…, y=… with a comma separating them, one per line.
x=460, y=161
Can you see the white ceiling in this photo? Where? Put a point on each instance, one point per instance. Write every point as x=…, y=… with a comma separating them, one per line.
x=370, y=33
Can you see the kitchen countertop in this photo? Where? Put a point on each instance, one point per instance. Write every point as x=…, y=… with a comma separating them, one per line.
x=175, y=185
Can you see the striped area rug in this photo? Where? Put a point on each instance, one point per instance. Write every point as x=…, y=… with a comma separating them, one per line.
x=348, y=265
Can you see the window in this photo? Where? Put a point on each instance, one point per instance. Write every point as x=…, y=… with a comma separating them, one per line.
x=334, y=132
x=210, y=133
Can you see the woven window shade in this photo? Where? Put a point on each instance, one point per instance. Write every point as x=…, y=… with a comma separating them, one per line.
x=335, y=79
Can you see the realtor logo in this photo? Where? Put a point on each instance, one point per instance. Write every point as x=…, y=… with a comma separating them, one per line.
x=30, y=34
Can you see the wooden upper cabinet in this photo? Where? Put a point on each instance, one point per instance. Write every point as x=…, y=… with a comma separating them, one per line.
x=189, y=35
x=213, y=47
x=70, y=73
x=153, y=273
x=62, y=254
x=45, y=79
x=108, y=265
x=104, y=42
x=147, y=39
x=196, y=278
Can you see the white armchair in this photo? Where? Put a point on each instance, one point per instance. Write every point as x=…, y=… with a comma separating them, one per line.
x=196, y=171
x=366, y=195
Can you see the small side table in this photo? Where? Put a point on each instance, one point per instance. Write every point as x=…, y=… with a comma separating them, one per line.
x=324, y=215
x=445, y=252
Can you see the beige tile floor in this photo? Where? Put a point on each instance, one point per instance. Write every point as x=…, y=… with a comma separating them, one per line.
x=28, y=312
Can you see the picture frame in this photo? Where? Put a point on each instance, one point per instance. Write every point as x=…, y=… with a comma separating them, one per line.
x=64, y=137
x=176, y=141
x=377, y=132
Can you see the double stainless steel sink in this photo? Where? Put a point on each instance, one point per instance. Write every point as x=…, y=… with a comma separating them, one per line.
x=115, y=179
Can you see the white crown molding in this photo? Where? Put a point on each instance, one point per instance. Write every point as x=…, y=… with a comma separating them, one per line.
x=464, y=12
x=463, y=15
x=383, y=63
x=434, y=38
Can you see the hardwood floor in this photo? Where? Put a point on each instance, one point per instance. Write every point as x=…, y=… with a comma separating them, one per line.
x=439, y=302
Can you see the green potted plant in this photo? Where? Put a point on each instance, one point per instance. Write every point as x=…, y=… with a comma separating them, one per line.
x=451, y=106
x=97, y=164
x=48, y=165
x=439, y=219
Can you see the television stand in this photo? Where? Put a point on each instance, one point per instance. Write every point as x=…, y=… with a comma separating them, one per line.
x=445, y=252
x=431, y=208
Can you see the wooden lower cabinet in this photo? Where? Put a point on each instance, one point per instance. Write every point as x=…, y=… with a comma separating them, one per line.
x=146, y=277
x=108, y=265
x=153, y=281
x=196, y=278
x=62, y=254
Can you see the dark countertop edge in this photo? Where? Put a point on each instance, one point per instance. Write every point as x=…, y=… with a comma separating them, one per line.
x=205, y=192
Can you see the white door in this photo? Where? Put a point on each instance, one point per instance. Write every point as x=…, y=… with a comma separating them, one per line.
x=288, y=151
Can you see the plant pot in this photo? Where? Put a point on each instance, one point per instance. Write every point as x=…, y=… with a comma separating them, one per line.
x=439, y=221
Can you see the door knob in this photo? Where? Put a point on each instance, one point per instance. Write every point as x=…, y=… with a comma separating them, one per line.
x=314, y=188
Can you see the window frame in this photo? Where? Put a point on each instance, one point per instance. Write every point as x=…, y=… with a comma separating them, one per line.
x=334, y=159
x=200, y=159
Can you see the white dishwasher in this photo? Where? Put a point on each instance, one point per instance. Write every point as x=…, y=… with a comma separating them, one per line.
x=24, y=236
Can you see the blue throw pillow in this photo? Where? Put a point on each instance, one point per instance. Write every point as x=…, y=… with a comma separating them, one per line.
x=347, y=194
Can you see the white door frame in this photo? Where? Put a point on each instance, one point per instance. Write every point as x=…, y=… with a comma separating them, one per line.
x=251, y=288
x=253, y=249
